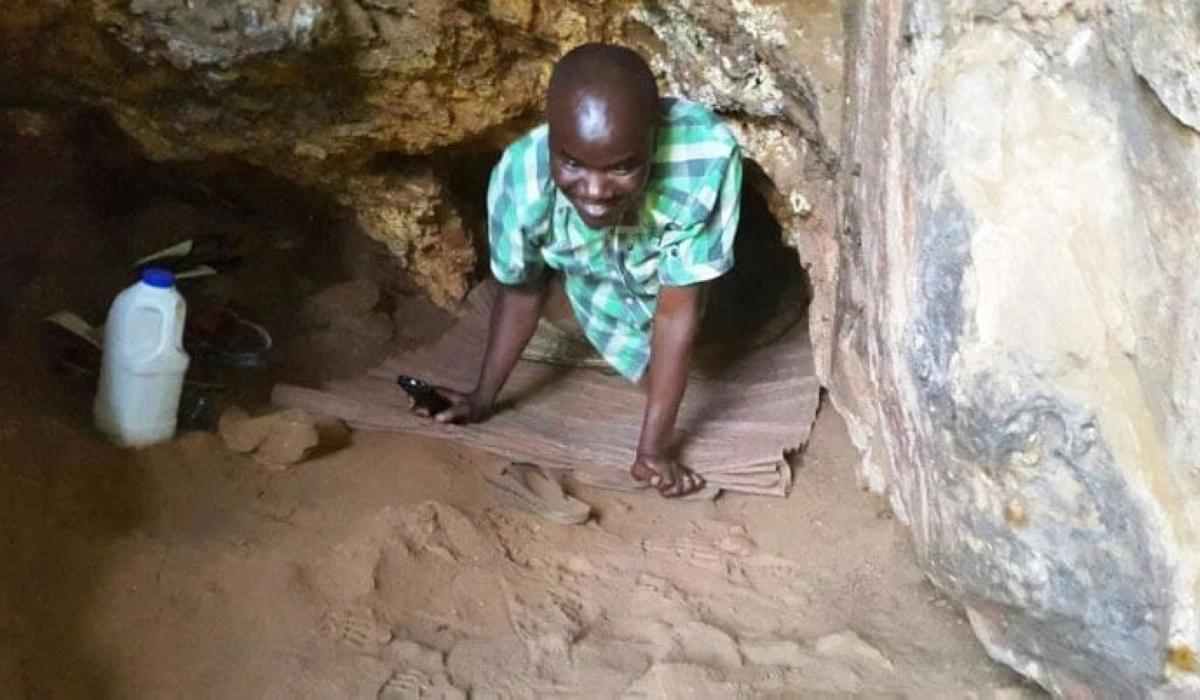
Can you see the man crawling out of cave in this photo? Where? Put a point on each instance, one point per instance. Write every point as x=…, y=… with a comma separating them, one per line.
x=611, y=219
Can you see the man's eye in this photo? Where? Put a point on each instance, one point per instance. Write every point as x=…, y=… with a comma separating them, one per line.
x=625, y=169
x=570, y=163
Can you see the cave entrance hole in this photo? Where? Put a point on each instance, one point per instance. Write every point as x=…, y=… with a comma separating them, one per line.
x=765, y=294
x=107, y=205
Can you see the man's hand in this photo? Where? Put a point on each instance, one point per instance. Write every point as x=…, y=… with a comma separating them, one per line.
x=676, y=323
x=464, y=408
x=671, y=478
x=514, y=319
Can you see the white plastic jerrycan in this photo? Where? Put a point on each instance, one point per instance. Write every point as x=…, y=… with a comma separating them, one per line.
x=141, y=375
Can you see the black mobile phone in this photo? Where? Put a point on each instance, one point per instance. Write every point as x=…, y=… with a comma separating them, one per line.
x=424, y=396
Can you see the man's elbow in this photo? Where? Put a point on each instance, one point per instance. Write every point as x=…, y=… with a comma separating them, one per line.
x=528, y=289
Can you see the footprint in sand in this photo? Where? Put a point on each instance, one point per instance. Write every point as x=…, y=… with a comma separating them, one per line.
x=359, y=627
x=850, y=648
x=443, y=531
x=407, y=654
x=694, y=552
x=655, y=598
x=840, y=663
x=412, y=684
x=429, y=531
x=680, y=680
x=708, y=645
x=548, y=623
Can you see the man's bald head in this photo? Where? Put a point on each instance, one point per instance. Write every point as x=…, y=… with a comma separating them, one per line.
x=605, y=70
x=602, y=111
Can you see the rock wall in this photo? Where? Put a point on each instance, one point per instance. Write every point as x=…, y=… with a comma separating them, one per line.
x=361, y=99
x=775, y=71
x=352, y=99
x=1017, y=334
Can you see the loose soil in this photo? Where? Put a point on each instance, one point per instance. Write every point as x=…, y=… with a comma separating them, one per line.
x=388, y=568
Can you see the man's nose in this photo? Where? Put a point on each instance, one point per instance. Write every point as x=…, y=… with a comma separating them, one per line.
x=595, y=186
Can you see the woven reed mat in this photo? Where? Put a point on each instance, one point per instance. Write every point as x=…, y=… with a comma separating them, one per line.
x=739, y=420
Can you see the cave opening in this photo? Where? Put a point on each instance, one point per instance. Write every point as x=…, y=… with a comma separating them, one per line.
x=767, y=290
x=89, y=204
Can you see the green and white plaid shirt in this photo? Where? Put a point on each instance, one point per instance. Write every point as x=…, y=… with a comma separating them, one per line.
x=684, y=235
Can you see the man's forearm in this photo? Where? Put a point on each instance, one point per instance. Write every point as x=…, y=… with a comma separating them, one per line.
x=676, y=324
x=514, y=319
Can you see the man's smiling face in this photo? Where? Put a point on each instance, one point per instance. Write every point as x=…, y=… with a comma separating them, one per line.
x=601, y=150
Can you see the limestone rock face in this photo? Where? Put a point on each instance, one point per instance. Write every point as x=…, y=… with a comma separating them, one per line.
x=775, y=69
x=1018, y=338
x=334, y=94
x=411, y=215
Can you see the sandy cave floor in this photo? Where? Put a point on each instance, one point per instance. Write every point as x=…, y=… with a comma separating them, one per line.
x=389, y=567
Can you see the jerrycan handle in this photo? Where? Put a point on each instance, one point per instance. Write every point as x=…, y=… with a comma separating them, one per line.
x=160, y=278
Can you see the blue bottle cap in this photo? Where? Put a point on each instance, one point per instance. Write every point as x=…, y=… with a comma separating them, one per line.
x=158, y=277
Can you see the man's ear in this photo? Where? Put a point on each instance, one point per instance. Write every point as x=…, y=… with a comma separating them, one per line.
x=653, y=136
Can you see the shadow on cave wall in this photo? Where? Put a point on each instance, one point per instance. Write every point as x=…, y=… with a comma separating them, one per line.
x=64, y=496
x=80, y=205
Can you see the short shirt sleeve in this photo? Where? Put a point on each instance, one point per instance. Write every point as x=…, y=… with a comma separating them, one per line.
x=520, y=204
x=698, y=245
